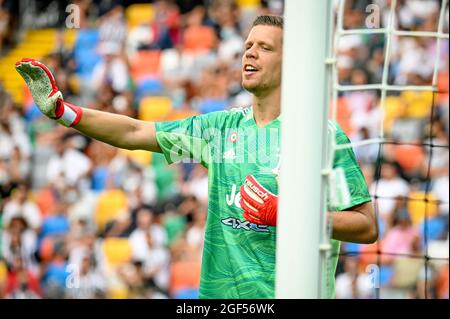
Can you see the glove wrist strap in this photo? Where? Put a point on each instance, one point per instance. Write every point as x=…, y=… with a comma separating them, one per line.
x=67, y=114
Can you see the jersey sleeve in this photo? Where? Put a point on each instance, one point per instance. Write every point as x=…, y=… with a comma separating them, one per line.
x=345, y=158
x=188, y=139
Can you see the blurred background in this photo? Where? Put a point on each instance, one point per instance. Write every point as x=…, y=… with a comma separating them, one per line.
x=81, y=219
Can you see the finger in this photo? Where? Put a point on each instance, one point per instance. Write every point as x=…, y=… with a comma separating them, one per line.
x=25, y=66
x=32, y=70
x=252, y=219
x=248, y=208
x=249, y=199
x=24, y=75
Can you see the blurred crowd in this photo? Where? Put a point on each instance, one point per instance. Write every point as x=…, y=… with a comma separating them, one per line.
x=408, y=173
x=81, y=219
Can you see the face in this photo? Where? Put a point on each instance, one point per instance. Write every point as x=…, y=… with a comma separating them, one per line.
x=144, y=218
x=261, y=62
x=388, y=171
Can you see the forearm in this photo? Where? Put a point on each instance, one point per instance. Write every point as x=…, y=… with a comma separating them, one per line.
x=352, y=226
x=118, y=130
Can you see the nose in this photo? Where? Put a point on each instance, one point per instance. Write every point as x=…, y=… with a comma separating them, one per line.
x=251, y=53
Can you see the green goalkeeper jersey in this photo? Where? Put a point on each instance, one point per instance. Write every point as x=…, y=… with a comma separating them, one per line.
x=239, y=256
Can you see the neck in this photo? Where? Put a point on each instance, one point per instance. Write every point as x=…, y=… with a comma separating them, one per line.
x=266, y=108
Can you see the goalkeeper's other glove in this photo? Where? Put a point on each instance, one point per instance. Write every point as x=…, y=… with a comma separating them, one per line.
x=259, y=204
x=46, y=94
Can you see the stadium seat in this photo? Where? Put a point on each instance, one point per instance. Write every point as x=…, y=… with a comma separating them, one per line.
x=148, y=86
x=85, y=53
x=118, y=293
x=46, y=201
x=245, y=4
x=110, y=204
x=352, y=248
x=190, y=293
x=139, y=13
x=184, y=275
x=144, y=64
x=86, y=38
x=34, y=44
x=443, y=86
x=99, y=178
x=442, y=282
x=435, y=228
x=154, y=108
x=368, y=255
x=56, y=273
x=116, y=250
x=199, y=39
x=394, y=108
x=409, y=157
x=142, y=157
x=421, y=203
x=212, y=105
x=386, y=275
x=46, y=249
x=418, y=104
x=3, y=271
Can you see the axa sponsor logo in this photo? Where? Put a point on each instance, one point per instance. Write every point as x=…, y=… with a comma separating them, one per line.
x=236, y=223
x=233, y=199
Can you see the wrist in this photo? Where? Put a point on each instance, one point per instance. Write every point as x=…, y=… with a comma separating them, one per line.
x=67, y=114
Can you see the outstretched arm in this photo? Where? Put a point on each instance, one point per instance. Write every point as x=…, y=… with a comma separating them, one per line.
x=117, y=130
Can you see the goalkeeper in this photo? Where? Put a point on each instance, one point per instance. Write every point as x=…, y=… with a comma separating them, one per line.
x=239, y=250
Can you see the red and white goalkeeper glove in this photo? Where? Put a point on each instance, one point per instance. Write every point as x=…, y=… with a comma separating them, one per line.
x=258, y=203
x=46, y=94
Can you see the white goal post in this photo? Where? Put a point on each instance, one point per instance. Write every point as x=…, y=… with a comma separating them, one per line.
x=305, y=93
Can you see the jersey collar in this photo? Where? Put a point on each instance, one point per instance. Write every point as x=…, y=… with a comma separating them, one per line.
x=249, y=116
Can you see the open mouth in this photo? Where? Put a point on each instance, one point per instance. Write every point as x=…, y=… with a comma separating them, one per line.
x=250, y=69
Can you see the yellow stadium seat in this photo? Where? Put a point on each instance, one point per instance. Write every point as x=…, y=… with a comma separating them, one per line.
x=117, y=250
x=154, y=108
x=35, y=44
x=118, y=293
x=139, y=13
x=418, y=104
x=394, y=108
x=248, y=3
x=3, y=272
x=140, y=156
x=110, y=204
x=418, y=206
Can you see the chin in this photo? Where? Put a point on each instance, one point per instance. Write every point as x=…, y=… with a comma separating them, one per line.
x=252, y=88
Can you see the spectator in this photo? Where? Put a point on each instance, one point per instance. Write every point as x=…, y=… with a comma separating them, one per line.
x=352, y=284
x=22, y=283
x=389, y=186
x=21, y=205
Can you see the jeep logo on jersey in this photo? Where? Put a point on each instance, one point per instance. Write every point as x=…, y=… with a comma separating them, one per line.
x=236, y=223
x=234, y=197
